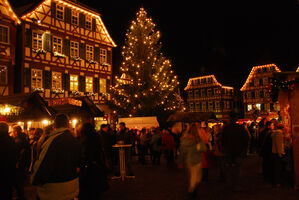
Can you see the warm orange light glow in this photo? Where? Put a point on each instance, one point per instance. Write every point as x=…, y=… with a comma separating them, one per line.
x=11, y=13
x=253, y=71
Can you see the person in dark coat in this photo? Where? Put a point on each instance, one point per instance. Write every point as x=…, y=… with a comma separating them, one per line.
x=23, y=160
x=265, y=140
x=123, y=136
x=55, y=173
x=92, y=177
x=107, y=142
x=235, y=143
x=8, y=159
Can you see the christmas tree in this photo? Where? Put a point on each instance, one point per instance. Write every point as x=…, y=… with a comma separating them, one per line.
x=147, y=85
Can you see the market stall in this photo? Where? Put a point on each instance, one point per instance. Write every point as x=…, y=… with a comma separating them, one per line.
x=27, y=110
x=285, y=90
x=140, y=122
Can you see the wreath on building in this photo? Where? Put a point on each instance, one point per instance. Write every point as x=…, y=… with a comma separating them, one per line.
x=277, y=85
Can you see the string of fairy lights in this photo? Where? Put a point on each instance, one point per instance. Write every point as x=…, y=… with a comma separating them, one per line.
x=147, y=75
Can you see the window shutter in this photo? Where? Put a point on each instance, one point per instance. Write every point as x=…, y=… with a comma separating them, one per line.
x=66, y=47
x=94, y=24
x=109, y=57
x=81, y=20
x=96, y=85
x=47, y=42
x=67, y=14
x=108, y=85
x=28, y=41
x=47, y=79
x=97, y=54
x=53, y=9
x=82, y=50
x=66, y=82
x=82, y=83
x=27, y=77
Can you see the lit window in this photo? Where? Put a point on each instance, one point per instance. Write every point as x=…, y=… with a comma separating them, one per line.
x=3, y=75
x=258, y=106
x=57, y=44
x=4, y=34
x=74, y=49
x=37, y=40
x=56, y=81
x=75, y=17
x=103, y=87
x=36, y=78
x=103, y=55
x=89, y=84
x=74, y=82
x=89, y=52
x=249, y=107
x=88, y=22
x=59, y=11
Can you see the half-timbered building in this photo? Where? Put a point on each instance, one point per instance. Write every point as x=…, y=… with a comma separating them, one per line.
x=206, y=94
x=67, y=51
x=8, y=31
x=255, y=92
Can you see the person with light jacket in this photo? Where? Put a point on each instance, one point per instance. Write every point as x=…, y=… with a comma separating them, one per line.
x=278, y=152
x=192, y=146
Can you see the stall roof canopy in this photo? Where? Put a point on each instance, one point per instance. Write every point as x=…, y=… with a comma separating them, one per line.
x=139, y=122
x=191, y=116
x=77, y=106
x=33, y=106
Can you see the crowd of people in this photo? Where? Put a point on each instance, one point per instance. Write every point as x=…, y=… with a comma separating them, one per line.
x=65, y=163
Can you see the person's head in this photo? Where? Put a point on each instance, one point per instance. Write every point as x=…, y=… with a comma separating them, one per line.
x=61, y=121
x=193, y=132
x=49, y=129
x=104, y=128
x=16, y=131
x=38, y=133
x=269, y=125
x=87, y=130
x=122, y=126
x=3, y=128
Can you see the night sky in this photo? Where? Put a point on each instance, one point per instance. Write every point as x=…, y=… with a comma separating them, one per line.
x=220, y=37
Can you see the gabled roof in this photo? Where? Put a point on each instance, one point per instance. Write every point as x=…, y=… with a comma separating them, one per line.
x=6, y=11
x=214, y=81
x=297, y=69
x=27, y=11
x=254, y=70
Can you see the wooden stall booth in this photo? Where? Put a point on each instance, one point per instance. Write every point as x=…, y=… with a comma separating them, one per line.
x=285, y=90
x=27, y=110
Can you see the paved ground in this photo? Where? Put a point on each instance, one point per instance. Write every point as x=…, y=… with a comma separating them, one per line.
x=162, y=183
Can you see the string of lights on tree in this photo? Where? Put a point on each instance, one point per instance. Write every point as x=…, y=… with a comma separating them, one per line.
x=148, y=84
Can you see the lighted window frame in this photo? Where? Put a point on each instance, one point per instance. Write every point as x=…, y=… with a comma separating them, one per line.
x=56, y=81
x=249, y=107
x=37, y=40
x=36, y=78
x=59, y=11
x=75, y=17
x=57, y=44
x=210, y=106
x=74, y=82
x=89, y=52
x=4, y=34
x=74, y=51
x=103, y=55
x=3, y=75
x=88, y=22
x=103, y=85
x=89, y=84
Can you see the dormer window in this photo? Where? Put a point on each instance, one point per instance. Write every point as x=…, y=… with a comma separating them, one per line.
x=75, y=17
x=88, y=22
x=59, y=11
